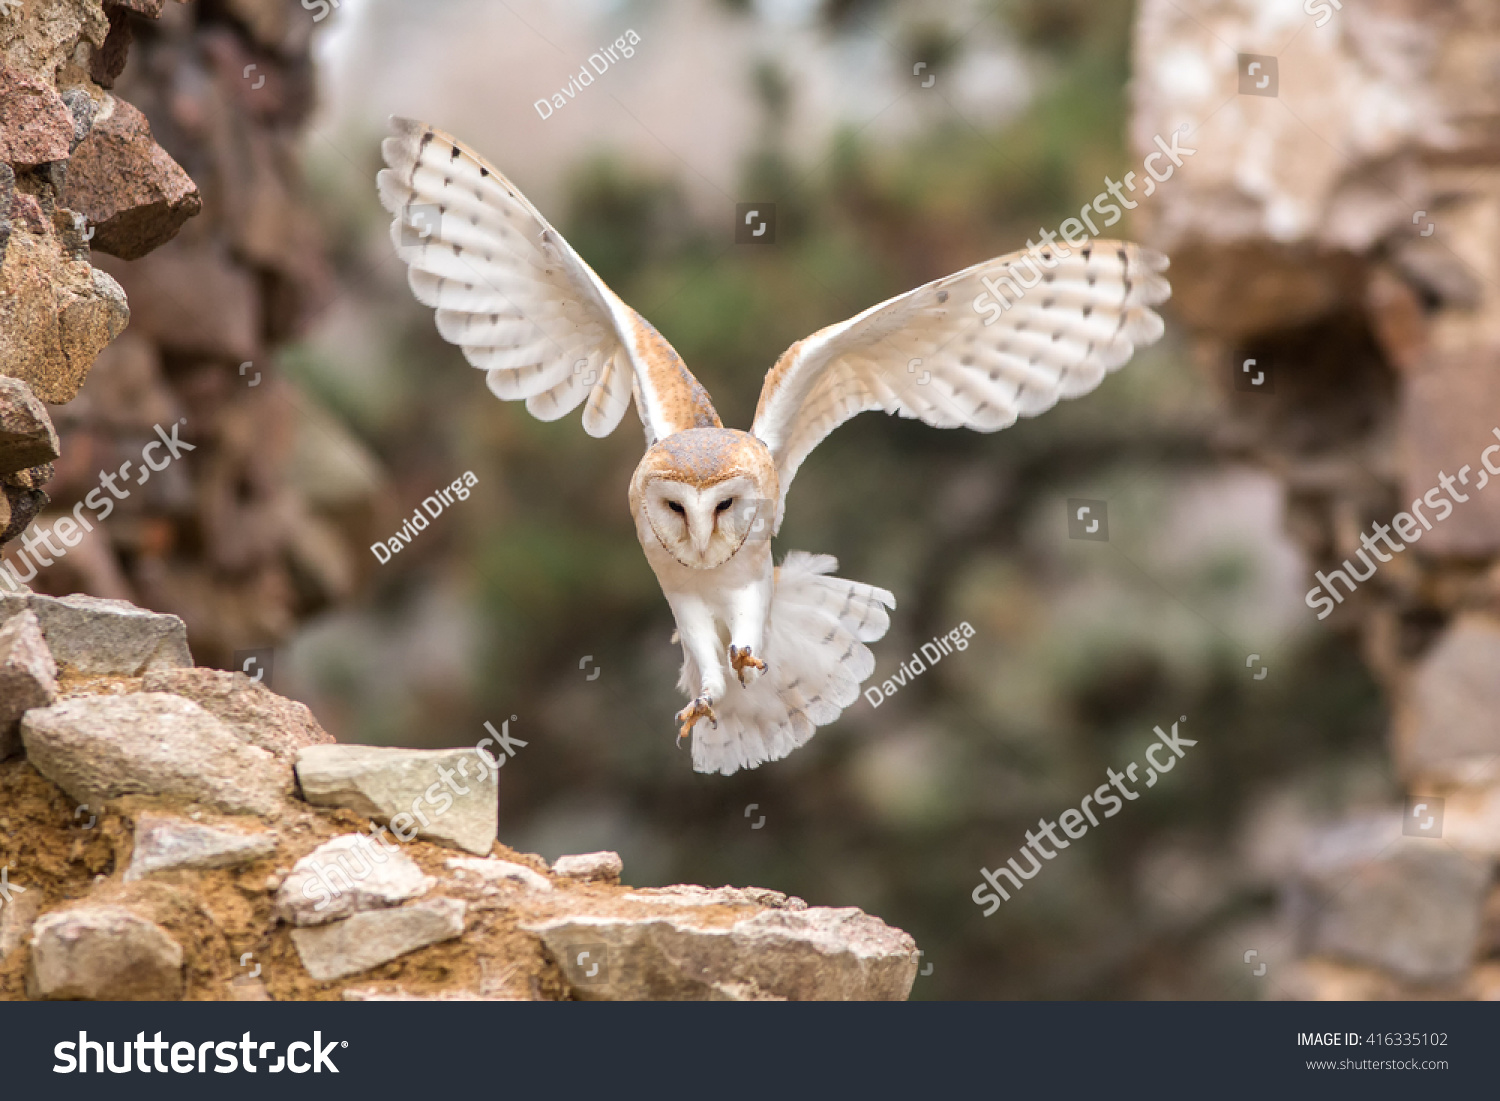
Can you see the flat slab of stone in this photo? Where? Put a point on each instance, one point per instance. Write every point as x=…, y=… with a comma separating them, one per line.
x=164, y=843
x=1446, y=727
x=600, y=867
x=244, y=989
x=98, y=748
x=404, y=786
x=1444, y=422
x=498, y=873
x=113, y=637
x=691, y=894
x=255, y=714
x=16, y=918
x=370, y=939
x=813, y=953
x=347, y=875
x=368, y=995
x=104, y=953
x=1366, y=894
x=28, y=677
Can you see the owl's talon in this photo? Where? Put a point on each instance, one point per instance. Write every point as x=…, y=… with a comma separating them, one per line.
x=701, y=708
x=741, y=659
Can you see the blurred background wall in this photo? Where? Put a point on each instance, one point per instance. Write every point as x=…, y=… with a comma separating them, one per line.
x=899, y=141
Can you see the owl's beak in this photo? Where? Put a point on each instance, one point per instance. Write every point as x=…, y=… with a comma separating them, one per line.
x=701, y=538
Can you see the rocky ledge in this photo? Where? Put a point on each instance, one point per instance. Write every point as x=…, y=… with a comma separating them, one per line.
x=174, y=832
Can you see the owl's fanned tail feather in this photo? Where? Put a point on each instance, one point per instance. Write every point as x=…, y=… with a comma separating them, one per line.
x=817, y=657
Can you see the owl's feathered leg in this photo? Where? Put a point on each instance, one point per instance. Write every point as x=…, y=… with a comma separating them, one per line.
x=700, y=638
x=815, y=638
x=748, y=610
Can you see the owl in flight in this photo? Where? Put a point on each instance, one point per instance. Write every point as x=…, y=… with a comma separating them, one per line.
x=769, y=653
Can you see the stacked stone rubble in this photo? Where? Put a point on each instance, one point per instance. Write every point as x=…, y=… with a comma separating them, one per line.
x=174, y=832
x=1337, y=233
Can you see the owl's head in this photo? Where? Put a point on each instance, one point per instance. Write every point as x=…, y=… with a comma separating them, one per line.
x=706, y=493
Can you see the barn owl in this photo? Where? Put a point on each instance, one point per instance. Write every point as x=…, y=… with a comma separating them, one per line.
x=769, y=653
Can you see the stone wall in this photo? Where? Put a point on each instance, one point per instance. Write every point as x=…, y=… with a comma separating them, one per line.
x=259, y=525
x=79, y=170
x=1339, y=226
x=174, y=832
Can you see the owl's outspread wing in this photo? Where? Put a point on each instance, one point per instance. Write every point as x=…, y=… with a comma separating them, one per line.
x=1005, y=338
x=523, y=306
x=976, y=349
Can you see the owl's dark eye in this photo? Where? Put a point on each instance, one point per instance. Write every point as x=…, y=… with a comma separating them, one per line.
x=676, y=507
x=724, y=504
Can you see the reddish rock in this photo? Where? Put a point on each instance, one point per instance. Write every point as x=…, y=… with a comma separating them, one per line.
x=127, y=391
x=193, y=301
x=27, y=437
x=35, y=126
x=109, y=60
x=26, y=213
x=19, y=506
x=1446, y=729
x=7, y=199
x=130, y=189
x=1451, y=411
x=151, y=9
x=55, y=316
x=266, y=20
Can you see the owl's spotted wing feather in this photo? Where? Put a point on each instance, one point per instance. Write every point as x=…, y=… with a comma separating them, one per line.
x=1005, y=338
x=523, y=306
